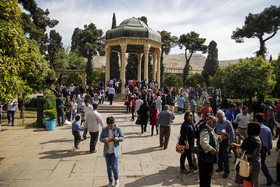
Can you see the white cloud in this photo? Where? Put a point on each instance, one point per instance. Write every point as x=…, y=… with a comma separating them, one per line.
x=212, y=19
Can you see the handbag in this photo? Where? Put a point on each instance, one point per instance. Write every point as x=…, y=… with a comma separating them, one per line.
x=125, y=103
x=242, y=166
x=180, y=148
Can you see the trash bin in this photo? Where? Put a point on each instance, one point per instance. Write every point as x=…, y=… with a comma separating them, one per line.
x=50, y=124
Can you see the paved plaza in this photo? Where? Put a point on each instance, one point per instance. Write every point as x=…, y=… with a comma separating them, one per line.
x=36, y=157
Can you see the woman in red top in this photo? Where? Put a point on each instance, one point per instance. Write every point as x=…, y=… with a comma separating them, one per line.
x=154, y=118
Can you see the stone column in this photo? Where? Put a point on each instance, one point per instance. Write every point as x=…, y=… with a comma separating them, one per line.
x=154, y=65
x=107, y=70
x=158, y=67
x=146, y=52
x=139, y=55
x=123, y=64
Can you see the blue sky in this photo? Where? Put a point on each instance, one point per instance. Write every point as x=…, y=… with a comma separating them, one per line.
x=212, y=19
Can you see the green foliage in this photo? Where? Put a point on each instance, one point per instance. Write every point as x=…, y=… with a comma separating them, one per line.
x=131, y=67
x=89, y=72
x=50, y=114
x=276, y=71
x=54, y=45
x=211, y=63
x=75, y=39
x=196, y=80
x=49, y=99
x=172, y=80
x=22, y=67
x=75, y=78
x=28, y=101
x=217, y=80
x=191, y=43
x=36, y=23
x=168, y=42
x=98, y=77
x=257, y=25
x=68, y=60
x=144, y=19
x=114, y=21
x=248, y=78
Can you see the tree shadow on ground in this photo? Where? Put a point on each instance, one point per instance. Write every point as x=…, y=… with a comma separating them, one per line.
x=143, y=151
x=134, y=137
x=57, y=141
x=57, y=154
x=165, y=177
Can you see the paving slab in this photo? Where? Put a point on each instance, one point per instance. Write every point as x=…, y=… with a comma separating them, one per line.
x=35, y=157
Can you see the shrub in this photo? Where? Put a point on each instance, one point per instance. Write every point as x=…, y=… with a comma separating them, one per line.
x=51, y=114
x=49, y=99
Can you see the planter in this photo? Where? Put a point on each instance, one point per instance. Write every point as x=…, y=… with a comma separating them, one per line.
x=50, y=124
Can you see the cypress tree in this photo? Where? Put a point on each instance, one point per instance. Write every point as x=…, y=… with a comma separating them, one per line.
x=114, y=60
x=211, y=64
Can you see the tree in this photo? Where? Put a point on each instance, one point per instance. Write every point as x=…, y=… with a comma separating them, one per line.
x=196, y=80
x=250, y=77
x=168, y=42
x=36, y=23
x=90, y=43
x=54, y=45
x=22, y=66
x=257, y=26
x=114, y=59
x=75, y=78
x=75, y=39
x=67, y=60
x=172, y=80
x=132, y=67
x=144, y=19
x=217, y=80
x=211, y=63
x=276, y=71
x=192, y=43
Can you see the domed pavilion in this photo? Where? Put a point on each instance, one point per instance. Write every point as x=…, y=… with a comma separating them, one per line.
x=133, y=36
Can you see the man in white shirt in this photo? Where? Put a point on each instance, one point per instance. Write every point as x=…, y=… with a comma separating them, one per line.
x=93, y=120
x=139, y=102
x=11, y=111
x=87, y=108
x=242, y=119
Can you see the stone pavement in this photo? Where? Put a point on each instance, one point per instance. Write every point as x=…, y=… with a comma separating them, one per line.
x=36, y=157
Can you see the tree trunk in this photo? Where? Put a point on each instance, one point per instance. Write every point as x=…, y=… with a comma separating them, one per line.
x=262, y=50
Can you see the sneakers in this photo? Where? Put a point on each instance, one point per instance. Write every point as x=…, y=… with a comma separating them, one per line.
x=110, y=184
x=269, y=182
x=117, y=183
x=225, y=175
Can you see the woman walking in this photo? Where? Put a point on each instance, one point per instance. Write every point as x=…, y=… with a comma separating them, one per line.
x=144, y=115
x=187, y=139
x=154, y=118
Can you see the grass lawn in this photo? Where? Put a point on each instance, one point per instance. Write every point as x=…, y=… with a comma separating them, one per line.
x=29, y=120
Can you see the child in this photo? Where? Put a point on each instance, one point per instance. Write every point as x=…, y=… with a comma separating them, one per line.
x=154, y=118
x=74, y=109
x=111, y=136
x=76, y=132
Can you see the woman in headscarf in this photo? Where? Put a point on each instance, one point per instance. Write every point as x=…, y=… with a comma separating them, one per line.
x=144, y=115
x=187, y=139
x=252, y=145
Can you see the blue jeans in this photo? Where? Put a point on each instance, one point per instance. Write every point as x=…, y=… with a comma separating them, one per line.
x=112, y=163
x=263, y=165
x=11, y=114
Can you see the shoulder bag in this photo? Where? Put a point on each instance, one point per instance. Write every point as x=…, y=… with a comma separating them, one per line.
x=242, y=166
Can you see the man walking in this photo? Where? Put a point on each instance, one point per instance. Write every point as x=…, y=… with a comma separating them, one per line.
x=230, y=113
x=11, y=111
x=92, y=121
x=266, y=138
x=111, y=93
x=164, y=120
x=208, y=145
